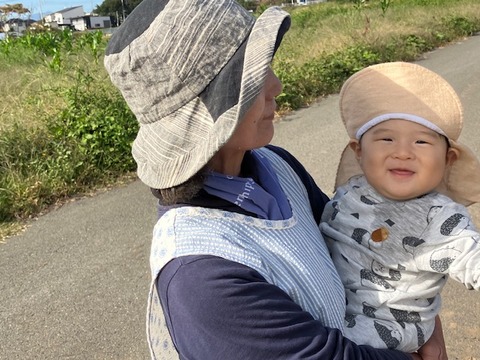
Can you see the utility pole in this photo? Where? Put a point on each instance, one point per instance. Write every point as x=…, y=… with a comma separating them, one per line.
x=123, y=11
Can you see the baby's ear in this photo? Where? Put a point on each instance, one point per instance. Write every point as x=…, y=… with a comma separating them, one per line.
x=452, y=155
x=356, y=147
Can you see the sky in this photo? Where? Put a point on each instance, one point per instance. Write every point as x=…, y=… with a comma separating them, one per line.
x=45, y=7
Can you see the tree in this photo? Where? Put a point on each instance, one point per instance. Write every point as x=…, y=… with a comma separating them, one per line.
x=119, y=8
x=8, y=9
x=116, y=8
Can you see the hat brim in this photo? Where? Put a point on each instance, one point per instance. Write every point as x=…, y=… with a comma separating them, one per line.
x=164, y=164
x=461, y=182
x=347, y=167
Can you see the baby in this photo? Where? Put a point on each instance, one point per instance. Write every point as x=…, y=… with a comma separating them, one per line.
x=397, y=226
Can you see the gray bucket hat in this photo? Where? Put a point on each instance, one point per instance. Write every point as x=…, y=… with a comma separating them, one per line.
x=189, y=70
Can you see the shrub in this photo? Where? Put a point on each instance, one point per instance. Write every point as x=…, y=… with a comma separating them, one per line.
x=85, y=144
x=322, y=76
x=98, y=122
x=28, y=160
x=82, y=134
x=461, y=26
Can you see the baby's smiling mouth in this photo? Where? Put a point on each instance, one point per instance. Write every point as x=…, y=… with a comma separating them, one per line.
x=402, y=172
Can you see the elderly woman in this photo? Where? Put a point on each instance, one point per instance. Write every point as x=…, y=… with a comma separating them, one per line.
x=239, y=266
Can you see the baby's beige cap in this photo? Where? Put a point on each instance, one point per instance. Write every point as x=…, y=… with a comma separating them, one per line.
x=407, y=91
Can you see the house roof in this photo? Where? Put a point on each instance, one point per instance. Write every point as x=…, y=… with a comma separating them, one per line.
x=19, y=21
x=67, y=9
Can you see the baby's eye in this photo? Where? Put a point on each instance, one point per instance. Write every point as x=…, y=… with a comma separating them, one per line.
x=422, y=142
x=386, y=139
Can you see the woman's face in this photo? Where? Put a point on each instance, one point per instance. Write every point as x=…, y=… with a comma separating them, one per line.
x=256, y=128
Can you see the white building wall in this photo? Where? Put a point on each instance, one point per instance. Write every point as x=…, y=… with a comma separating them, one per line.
x=64, y=17
x=79, y=24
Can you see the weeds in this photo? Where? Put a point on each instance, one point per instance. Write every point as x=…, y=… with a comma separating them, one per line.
x=65, y=129
x=380, y=31
x=384, y=5
x=461, y=26
x=84, y=142
x=98, y=123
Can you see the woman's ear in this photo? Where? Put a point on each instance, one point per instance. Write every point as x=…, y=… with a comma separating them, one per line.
x=356, y=147
x=452, y=156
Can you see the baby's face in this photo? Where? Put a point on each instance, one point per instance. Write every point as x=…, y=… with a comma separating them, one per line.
x=402, y=159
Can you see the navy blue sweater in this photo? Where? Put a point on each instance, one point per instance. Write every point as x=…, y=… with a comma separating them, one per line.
x=226, y=310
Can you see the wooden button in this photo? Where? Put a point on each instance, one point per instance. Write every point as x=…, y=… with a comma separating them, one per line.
x=380, y=234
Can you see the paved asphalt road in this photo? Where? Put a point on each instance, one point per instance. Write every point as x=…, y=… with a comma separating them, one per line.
x=74, y=284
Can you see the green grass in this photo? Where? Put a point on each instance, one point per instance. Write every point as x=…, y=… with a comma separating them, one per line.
x=330, y=41
x=66, y=131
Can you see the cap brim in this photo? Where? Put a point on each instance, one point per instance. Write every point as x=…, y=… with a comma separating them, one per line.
x=462, y=180
x=347, y=167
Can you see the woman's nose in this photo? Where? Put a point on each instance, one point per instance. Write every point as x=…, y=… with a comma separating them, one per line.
x=273, y=84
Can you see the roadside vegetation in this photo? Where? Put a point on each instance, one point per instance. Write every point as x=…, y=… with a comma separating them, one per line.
x=65, y=131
